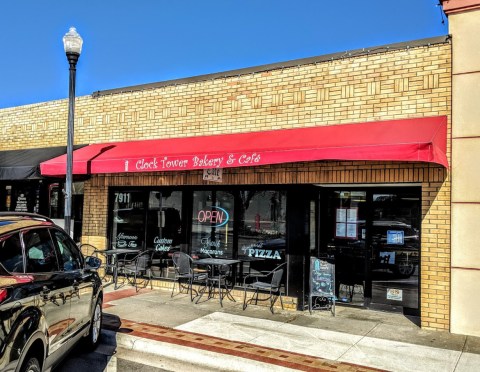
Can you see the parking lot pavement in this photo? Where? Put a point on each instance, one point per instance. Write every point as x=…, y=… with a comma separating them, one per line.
x=229, y=338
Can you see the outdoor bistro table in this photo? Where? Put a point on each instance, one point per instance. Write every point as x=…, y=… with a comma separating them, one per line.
x=216, y=263
x=114, y=254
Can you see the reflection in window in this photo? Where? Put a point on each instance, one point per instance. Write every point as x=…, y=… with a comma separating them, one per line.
x=396, y=247
x=54, y=205
x=262, y=228
x=164, y=222
x=40, y=252
x=128, y=220
x=164, y=229
x=70, y=257
x=11, y=255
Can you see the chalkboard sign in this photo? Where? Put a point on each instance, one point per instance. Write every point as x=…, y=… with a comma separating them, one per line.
x=322, y=284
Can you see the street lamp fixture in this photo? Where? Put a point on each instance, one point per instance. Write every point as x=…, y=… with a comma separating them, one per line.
x=72, y=43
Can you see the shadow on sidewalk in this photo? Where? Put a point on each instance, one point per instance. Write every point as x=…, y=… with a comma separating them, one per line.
x=79, y=360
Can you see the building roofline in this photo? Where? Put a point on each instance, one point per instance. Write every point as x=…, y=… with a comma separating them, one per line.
x=278, y=65
x=458, y=6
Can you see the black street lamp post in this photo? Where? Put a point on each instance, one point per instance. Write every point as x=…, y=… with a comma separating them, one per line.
x=72, y=43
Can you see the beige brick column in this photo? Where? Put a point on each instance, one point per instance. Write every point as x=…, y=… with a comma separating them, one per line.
x=464, y=23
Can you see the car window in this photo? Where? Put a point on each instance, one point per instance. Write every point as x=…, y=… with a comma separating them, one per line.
x=39, y=251
x=69, y=253
x=11, y=253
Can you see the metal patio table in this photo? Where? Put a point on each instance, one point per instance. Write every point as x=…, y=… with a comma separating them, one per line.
x=216, y=263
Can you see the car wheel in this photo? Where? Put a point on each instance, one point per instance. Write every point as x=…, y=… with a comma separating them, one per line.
x=405, y=269
x=93, y=337
x=32, y=365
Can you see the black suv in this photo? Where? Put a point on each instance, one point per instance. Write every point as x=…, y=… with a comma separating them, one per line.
x=50, y=295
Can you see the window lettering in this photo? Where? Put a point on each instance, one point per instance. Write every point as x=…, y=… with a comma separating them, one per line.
x=122, y=197
x=264, y=253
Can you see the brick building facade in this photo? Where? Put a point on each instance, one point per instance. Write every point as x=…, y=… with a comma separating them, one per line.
x=401, y=81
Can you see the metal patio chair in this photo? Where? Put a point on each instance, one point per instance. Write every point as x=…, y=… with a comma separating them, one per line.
x=184, y=272
x=138, y=269
x=267, y=282
x=159, y=264
x=218, y=281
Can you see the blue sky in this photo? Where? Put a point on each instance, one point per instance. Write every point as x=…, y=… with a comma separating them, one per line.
x=144, y=41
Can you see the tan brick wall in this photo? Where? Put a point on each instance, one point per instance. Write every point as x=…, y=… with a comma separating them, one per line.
x=414, y=82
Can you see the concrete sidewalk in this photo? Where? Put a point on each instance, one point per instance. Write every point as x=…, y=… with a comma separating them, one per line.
x=231, y=339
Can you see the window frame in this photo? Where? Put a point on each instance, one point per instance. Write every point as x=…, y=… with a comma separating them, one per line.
x=81, y=259
x=25, y=250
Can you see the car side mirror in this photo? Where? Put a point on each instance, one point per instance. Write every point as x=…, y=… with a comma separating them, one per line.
x=92, y=262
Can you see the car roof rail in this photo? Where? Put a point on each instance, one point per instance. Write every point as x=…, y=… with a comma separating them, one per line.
x=26, y=214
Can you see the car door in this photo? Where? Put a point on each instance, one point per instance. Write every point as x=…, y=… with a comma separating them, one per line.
x=81, y=281
x=48, y=285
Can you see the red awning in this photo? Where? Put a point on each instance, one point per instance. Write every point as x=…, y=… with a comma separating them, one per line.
x=420, y=139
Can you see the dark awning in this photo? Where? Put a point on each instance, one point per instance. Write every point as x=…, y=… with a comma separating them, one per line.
x=25, y=164
x=416, y=139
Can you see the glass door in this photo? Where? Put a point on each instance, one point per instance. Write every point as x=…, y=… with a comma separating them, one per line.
x=374, y=236
x=343, y=236
x=395, y=241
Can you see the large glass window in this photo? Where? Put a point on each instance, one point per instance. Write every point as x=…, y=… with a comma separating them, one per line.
x=128, y=225
x=164, y=221
x=262, y=231
x=20, y=196
x=154, y=219
x=164, y=229
x=212, y=224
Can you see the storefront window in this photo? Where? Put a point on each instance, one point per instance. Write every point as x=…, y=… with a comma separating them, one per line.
x=212, y=224
x=56, y=200
x=262, y=232
x=128, y=225
x=164, y=223
x=152, y=219
x=164, y=229
x=22, y=197
x=54, y=204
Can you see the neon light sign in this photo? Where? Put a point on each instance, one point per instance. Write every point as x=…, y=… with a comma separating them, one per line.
x=216, y=215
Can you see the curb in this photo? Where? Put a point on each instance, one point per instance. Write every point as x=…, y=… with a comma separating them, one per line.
x=210, y=352
x=214, y=352
x=206, y=359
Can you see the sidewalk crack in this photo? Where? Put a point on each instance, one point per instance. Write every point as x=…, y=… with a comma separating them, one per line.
x=362, y=337
x=460, y=355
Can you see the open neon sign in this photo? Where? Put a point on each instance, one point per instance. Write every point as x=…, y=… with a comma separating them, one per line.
x=216, y=216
